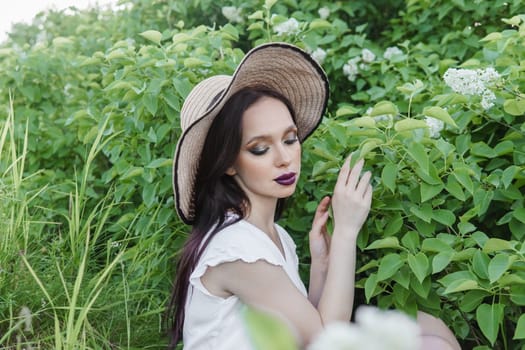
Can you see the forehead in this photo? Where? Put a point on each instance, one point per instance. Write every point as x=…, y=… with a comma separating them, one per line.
x=267, y=116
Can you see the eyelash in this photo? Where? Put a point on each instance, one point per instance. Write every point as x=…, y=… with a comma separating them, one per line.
x=260, y=151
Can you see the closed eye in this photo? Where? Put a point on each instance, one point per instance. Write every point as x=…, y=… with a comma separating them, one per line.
x=258, y=151
x=291, y=141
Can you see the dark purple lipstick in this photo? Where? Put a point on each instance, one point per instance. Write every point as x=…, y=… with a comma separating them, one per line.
x=286, y=179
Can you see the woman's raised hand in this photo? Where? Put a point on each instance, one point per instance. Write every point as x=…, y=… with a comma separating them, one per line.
x=352, y=197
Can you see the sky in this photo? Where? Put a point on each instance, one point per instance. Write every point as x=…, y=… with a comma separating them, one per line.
x=14, y=11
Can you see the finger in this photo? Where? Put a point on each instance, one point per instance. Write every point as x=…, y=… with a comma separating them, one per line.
x=354, y=174
x=368, y=194
x=318, y=225
x=343, y=174
x=320, y=213
x=327, y=238
x=363, y=183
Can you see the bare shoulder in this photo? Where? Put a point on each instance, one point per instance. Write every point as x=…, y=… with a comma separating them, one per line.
x=268, y=287
x=239, y=277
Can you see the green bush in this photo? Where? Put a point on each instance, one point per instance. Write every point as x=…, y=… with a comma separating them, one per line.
x=446, y=229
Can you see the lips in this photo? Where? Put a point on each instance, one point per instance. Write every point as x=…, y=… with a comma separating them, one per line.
x=286, y=179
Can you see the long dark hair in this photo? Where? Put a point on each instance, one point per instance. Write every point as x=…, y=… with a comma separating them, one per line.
x=216, y=194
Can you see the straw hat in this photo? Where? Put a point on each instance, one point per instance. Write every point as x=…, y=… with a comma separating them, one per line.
x=276, y=66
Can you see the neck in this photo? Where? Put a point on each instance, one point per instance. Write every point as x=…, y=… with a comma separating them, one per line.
x=263, y=217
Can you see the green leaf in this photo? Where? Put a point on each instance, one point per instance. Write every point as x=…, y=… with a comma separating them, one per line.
x=183, y=87
x=389, y=175
x=388, y=266
x=481, y=149
x=419, y=265
x=489, y=318
x=408, y=124
x=150, y=102
x=159, y=163
x=429, y=191
x=454, y=188
x=504, y=147
x=510, y=279
x=508, y=175
x=256, y=15
x=388, y=242
x=492, y=37
x=441, y=261
x=513, y=21
x=520, y=328
x=351, y=110
x=418, y=153
x=421, y=288
x=461, y=285
x=435, y=245
x=424, y=213
x=482, y=199
x=517, y=294
x=267, y=331
x=148, y=194
x=370, y=287
x=480, y=264
x=394, y=225
x=180, y=38
x=497, y=244
x=519, y=213
x=132, y=172
x=411, y=240
x=152, y=35
x=498, y=266
x=444, y=216
x=441, y=114
x=403, y=277
x=268, y=4
x=472, y=299
x=462, y=174
x=194, y=62
x=384, y=108
x=320, y=24
x=515, y=107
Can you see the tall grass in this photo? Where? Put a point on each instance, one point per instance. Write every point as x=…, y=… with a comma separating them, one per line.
x=72, y=286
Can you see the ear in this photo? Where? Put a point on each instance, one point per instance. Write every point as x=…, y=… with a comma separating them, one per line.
x=231, y=171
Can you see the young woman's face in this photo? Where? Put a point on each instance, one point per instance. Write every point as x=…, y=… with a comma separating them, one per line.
x=269, y=161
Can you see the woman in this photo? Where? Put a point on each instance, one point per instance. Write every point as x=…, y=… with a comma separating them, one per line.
x=238, y=158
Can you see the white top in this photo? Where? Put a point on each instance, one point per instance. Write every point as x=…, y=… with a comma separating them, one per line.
x=215, y=323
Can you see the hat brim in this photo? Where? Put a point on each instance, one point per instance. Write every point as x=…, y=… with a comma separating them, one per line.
x=279, y=67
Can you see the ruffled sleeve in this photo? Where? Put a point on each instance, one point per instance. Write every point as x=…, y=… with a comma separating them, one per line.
x=238, y=241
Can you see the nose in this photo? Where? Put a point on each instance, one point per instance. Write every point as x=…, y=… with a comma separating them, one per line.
x=283, y=156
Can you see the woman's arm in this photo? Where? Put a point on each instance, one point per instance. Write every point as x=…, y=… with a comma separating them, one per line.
x=319, y=252
x=268, y=287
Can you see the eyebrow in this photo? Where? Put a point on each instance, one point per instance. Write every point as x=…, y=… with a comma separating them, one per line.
x=265, y=137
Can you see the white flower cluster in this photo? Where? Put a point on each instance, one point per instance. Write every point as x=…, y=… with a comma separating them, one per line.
x=435, y=126
x=27, y=317
x=473, y=82
x=352, y=67
x=391, y=52
x=368, y=56
x=288, y=27
x=232, y=14
x=319, y=55
x=324, y=12
x=374, y=330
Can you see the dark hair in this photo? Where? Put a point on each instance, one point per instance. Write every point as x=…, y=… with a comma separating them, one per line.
x=215, y=194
